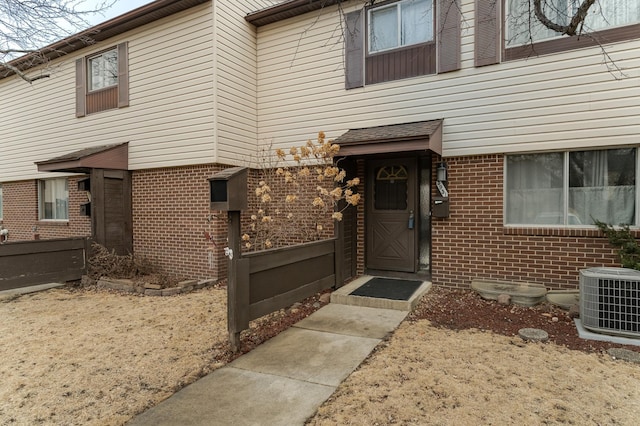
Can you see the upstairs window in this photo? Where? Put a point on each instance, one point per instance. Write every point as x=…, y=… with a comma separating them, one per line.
x=523, y=27
x=53, y=199
x=402, y=24
x=102, y=81
x=394, y=40
x=103, y=70
x=524, y=36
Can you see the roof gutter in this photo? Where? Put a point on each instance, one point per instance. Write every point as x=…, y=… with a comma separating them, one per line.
x=287, y=9
x=136, y=18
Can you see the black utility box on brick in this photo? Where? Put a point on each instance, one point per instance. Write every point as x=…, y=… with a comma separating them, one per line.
x=228, y=189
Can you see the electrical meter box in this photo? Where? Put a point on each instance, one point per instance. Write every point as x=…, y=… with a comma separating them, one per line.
x=440, y=207
x=228, y=189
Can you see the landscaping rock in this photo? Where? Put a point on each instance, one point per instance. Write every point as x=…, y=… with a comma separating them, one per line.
x=152, y=289
x=86, y=280
x=625, y=354
x=152, y=286
x=325, y=297
x=171, y=291
x=118, y=285
x=574, y=311
x=504, y=299
x=533, y=335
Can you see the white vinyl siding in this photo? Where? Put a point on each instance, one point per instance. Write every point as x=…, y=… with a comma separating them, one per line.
x=558, y=101
x=236, y=72
x=170, y=118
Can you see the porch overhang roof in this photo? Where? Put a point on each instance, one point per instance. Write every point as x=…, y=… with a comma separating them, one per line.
x=417, y=136
x=114, y=156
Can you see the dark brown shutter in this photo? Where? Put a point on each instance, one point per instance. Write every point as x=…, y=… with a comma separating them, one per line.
x=448, y=35
x=487, y=32
x=123, y=75
x=81, y=88
x=354, y=50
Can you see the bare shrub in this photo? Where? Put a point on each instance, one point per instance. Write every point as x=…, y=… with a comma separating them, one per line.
x=103, y=262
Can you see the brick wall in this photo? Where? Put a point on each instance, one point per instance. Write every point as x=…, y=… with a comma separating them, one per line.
x=473, y=243
x=20, y=213
x=170, y=218
x=302, y=226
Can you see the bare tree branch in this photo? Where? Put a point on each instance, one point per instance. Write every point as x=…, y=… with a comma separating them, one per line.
x=577, y=20
x=26, y=27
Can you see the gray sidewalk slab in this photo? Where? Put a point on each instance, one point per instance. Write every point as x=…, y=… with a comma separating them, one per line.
x=308, y=355
x=354, y=320
x=230, y=396
x=284, y=380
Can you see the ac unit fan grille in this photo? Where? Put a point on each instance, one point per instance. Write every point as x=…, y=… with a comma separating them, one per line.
x=610, y=304
x=618, y=305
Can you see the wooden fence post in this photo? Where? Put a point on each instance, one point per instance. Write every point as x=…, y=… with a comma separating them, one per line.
x=238, y=284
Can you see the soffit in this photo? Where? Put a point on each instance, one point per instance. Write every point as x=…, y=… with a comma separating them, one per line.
x=115, y=157
x=136, y=18
x=416, y=136
x=286, y=9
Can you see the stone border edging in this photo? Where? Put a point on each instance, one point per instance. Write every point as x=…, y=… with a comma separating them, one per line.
x=128, y=286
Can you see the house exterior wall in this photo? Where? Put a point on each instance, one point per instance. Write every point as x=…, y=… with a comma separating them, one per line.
x=171, y=220
x=236, y=68
x=558, y=101
x=21, y=213
x=192, y=97
x=473, y=243
x=561, y=101
x=167, y=123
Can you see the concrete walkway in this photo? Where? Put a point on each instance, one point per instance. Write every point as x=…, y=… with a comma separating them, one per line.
x=283, y=381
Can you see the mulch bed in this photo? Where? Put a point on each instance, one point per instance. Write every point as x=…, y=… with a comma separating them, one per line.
x=465, y=309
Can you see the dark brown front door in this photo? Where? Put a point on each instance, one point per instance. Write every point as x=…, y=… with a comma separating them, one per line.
x=111, y=209
x=391, y=215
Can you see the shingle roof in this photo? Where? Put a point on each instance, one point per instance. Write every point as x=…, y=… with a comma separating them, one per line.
x=415, y=136
x=405, y=131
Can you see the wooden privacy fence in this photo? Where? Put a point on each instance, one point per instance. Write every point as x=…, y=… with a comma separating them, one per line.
x=26, y=263
x=266, y=281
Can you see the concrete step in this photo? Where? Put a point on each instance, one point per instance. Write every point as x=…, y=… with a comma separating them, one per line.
x=343, y=296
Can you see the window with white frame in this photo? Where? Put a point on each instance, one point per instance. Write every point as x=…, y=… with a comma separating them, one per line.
x=571, y=188
x=523, y=27
x=53, y=199
x=400, y=24
x=103, y=70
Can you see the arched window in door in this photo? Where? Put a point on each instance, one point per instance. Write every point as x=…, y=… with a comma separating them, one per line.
x=390, y=187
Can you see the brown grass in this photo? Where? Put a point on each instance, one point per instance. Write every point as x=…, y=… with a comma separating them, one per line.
x=96, y=358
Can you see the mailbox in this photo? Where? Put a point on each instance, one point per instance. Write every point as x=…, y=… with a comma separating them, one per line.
x=228, y=189
x=85, y=209
x=440, y=207
x=84, y=184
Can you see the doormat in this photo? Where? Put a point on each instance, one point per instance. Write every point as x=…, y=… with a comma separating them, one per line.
x=388, y=288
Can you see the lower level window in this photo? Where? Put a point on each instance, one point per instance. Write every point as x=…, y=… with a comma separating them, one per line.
x=571, y=188
x=53, y=199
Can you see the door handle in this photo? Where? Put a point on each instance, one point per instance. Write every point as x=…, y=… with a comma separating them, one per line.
x=412, y=220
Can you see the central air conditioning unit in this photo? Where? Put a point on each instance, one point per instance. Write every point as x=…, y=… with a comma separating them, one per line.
x=610, y=301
